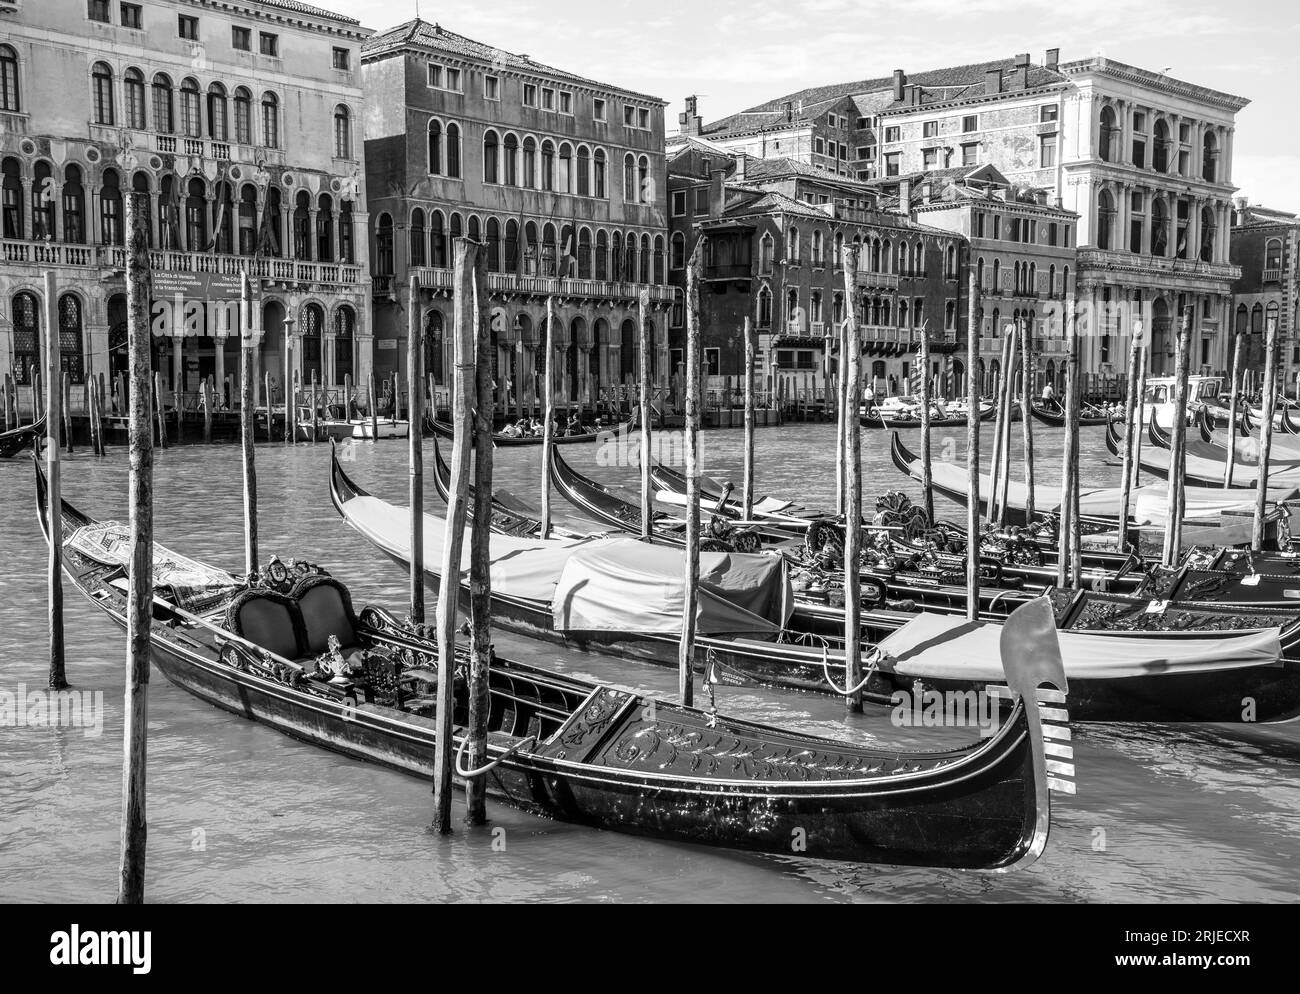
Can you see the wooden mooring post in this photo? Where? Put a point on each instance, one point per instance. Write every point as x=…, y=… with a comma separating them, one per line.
x=1132, y=426
x=54, y=475
x=1232, y=410
x=686, y=648
x=373, y=400
x=65, y=407
x=972, y=451
x=462, y=402
x=548, y=415
x=927, y=478
x=480, y=556
x=751, y=350
x=643, y=395
x=415, y=450
x=1069, y=461
x=853, y=495
x=1025, y=330
x=247, y=418
x=139, y=606
x=1265, y=433
x=270, y=407
x=1173, y=546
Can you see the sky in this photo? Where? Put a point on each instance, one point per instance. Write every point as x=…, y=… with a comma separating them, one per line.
x=737, y=54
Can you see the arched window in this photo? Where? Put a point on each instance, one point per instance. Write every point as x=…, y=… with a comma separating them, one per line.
x=27, y=336
x=644, y=191
x=491, y=165
x=223, y=225
x=191, y=110
x=677, y=316
x=764, y=307
x=512, y=247
x=453, y=150
x=102, y=85
x=10, y=96
x=766, y=253
x=629, y=179
x=313, y=323
x=677, y=251
x=302, y=227
x=839, y=250
x=659, y=260
x=271, y=243
x=1105, y=219
x=584, y=171
x=342, y=132
x=602, y=255
x=1160, y=153
x=384, y=245
x=950, y=262
x=433, y=336
x=325, y=228
x=270, y=120
x=918, y=259
x=345, y=232
x=453, y=229
x=629, y=258
x=248, y=219
x=817, y=244
x=886, y=255
x=1159, y=227
x=979, y=273
x=598, y=174
x=564, y=174
x=1108, y=132
x=133, y=89
x=645, y=259
x=795, y=247
x=218, y=125
x=164, y=119
x=493, y=245
x=345, y=326
x=44, y=214
x=996, y=285
x=530, y=164
x=435, y=147
x=70, y=357
x=950, y=315
x=615, y=256
x=472, y=230
x=548, y=250
x=1271, y=314
x=1273, y=254
x=531, y=248
x=584, y=254
x=110, y=208
x=1051, y=280
x=1256, y=319
x=1209, y=157
x=243, y=116
x=1208, y=229
x=902, y=314
x=510, y=161
x=438, y=239
x=548, y=165
x=74, y=205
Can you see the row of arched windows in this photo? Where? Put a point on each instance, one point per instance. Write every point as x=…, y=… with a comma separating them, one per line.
x=190, y=111
x=877, y=255
x=189, y=214
x=25, y=315
x=1024, y=278
x=530, y=248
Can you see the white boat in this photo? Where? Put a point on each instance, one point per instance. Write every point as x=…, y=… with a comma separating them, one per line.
x=387, y=428
x=1202, y=392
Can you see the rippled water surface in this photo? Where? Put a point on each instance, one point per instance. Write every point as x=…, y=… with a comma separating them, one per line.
x=1163, y=812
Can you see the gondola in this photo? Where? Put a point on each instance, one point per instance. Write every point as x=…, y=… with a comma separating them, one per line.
x=585, y=752
x=15, y=440
x=772, y=511
x=1202, y=469
x=444, y=430
x=914, y=421
x=622, y=598
x=1054, y=416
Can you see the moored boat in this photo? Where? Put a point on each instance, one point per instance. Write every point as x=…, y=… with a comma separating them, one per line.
x=444, y=430
x=284, y=647
x=15, y=440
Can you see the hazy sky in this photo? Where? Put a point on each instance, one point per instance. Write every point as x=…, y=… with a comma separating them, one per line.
x=737, y=54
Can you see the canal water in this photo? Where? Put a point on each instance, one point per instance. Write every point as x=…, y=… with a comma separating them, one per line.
x=238, y=812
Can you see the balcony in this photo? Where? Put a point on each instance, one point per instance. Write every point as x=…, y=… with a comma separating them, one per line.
x=431, y=278
x=741, y=271
x=1154, y=265
x=884, y=333
x=165, y=261
x=876, y=281
x=1272, y=275
x=819, y=329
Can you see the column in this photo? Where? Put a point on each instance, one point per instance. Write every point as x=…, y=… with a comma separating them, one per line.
x=1125, y=109
x=1225, y=155
x=1148, y=204
x=29, y=222
x=584, y=375
x=312, y=214
x=1194, y=228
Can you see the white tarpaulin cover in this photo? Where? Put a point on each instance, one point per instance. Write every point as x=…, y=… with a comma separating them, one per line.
x=944, y=647
x=615, y=584
x=626, y=585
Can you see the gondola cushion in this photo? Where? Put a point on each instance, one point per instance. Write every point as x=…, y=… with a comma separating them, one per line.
x=268, y=619
x=326, y=609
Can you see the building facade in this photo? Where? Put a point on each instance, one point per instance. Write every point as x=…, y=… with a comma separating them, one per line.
x=238, y=124
x=1021, y=252
x=1143, y=159
x=1266, y=246
x=777, y=251
x=560, y=177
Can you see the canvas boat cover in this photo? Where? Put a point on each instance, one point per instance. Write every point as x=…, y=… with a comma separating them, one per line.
x=191, y=585
x=599, y=583
x=944, y=647
x=626, y=585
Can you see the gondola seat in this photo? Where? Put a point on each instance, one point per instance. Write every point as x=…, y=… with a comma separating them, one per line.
x=268, y=619
x=326, y=608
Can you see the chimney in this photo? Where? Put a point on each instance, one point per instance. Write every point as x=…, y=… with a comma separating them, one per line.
x=715, y=193
x=993, y=81
x=1021, y=78
x=689, y=122
x=739, y=174
x=905, y=196
x=927, y=192
x=789, y=110
x=1053, y=58
x=900, y=78
x=1239, y=210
